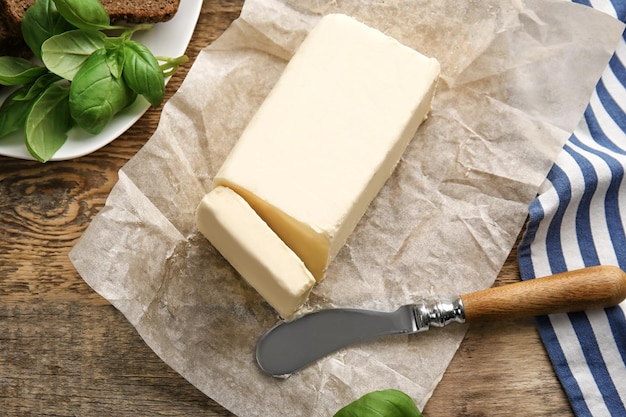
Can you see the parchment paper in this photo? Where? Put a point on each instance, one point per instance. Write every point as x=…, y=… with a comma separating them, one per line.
x=516, y=78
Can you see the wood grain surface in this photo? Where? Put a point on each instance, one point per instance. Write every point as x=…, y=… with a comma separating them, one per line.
x=65, y=351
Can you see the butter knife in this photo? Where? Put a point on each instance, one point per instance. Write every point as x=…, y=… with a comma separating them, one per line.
x=292, y=345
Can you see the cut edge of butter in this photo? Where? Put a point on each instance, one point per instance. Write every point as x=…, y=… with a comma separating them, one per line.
x=299, y=237
x=254, y=250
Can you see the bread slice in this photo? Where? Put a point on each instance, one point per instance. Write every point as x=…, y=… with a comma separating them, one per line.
x=130, y=11
x=11, y=41
x=141, y=11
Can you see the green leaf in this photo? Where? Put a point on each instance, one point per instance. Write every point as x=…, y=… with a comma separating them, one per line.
x=48, y=122
x=142, y=72
x=96, y=95
x=40, y=22
x=16, y=71
x=30, y=91
x=65, y=53
x=84, y=14
x=115, y=60
x=114, y=42
x=13, y=113
x=386, y=403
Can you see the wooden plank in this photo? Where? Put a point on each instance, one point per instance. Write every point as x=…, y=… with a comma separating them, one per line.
x=56, y=361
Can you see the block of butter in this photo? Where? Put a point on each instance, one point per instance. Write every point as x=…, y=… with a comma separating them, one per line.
x=328, y=136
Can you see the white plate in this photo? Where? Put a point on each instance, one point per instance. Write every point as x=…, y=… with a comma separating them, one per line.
x=164, y=39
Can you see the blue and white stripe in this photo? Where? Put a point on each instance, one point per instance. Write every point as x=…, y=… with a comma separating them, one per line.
x=578, y=220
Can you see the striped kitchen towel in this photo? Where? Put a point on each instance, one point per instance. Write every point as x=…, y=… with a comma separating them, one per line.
x=578, y=220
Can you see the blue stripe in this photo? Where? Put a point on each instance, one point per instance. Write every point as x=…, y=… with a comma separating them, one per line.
x=561, y=367
x=583, y=213
x=596, y=132
x=611, y=107
x=524, y=249
x=611, y=203
x=618, y=5
x=562, y=185
x=597, y=366
x=617, y=67
x=614, y=222
x=620, y=9
x=613, y=218
x=617, y=321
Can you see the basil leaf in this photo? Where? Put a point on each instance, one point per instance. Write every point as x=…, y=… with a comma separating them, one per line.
x=31, y=91
x=48, y=122
x=114, y=42
x=96, y=96
x=16, y=71
x=84, y=14
x=115, y=54
x=387, y=403
x=40, y=22
x=13, y=113
x=65, y=53
x=115, y=60
x=142, y=72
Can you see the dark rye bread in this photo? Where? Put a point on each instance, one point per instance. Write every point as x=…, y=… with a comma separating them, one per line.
x=11, y=42
x=141, y=11
x=130, y=11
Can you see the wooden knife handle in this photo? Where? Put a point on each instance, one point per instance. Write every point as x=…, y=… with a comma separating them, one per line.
x=583, y=289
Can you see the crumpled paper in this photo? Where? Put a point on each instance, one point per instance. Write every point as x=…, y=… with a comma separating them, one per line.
x=516, y=77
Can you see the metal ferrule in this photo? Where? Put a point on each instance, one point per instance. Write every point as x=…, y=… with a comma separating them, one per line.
x=438, y=313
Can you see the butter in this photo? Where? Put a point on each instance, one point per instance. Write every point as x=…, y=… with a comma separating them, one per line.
x=254, y=250
x=329, y=135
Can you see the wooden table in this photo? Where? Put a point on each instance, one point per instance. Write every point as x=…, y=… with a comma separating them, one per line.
x=65, y=351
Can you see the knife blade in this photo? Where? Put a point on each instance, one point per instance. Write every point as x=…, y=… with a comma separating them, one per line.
x=292, y=345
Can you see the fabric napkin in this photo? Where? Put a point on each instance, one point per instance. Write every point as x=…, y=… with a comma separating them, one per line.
x=578, y=220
